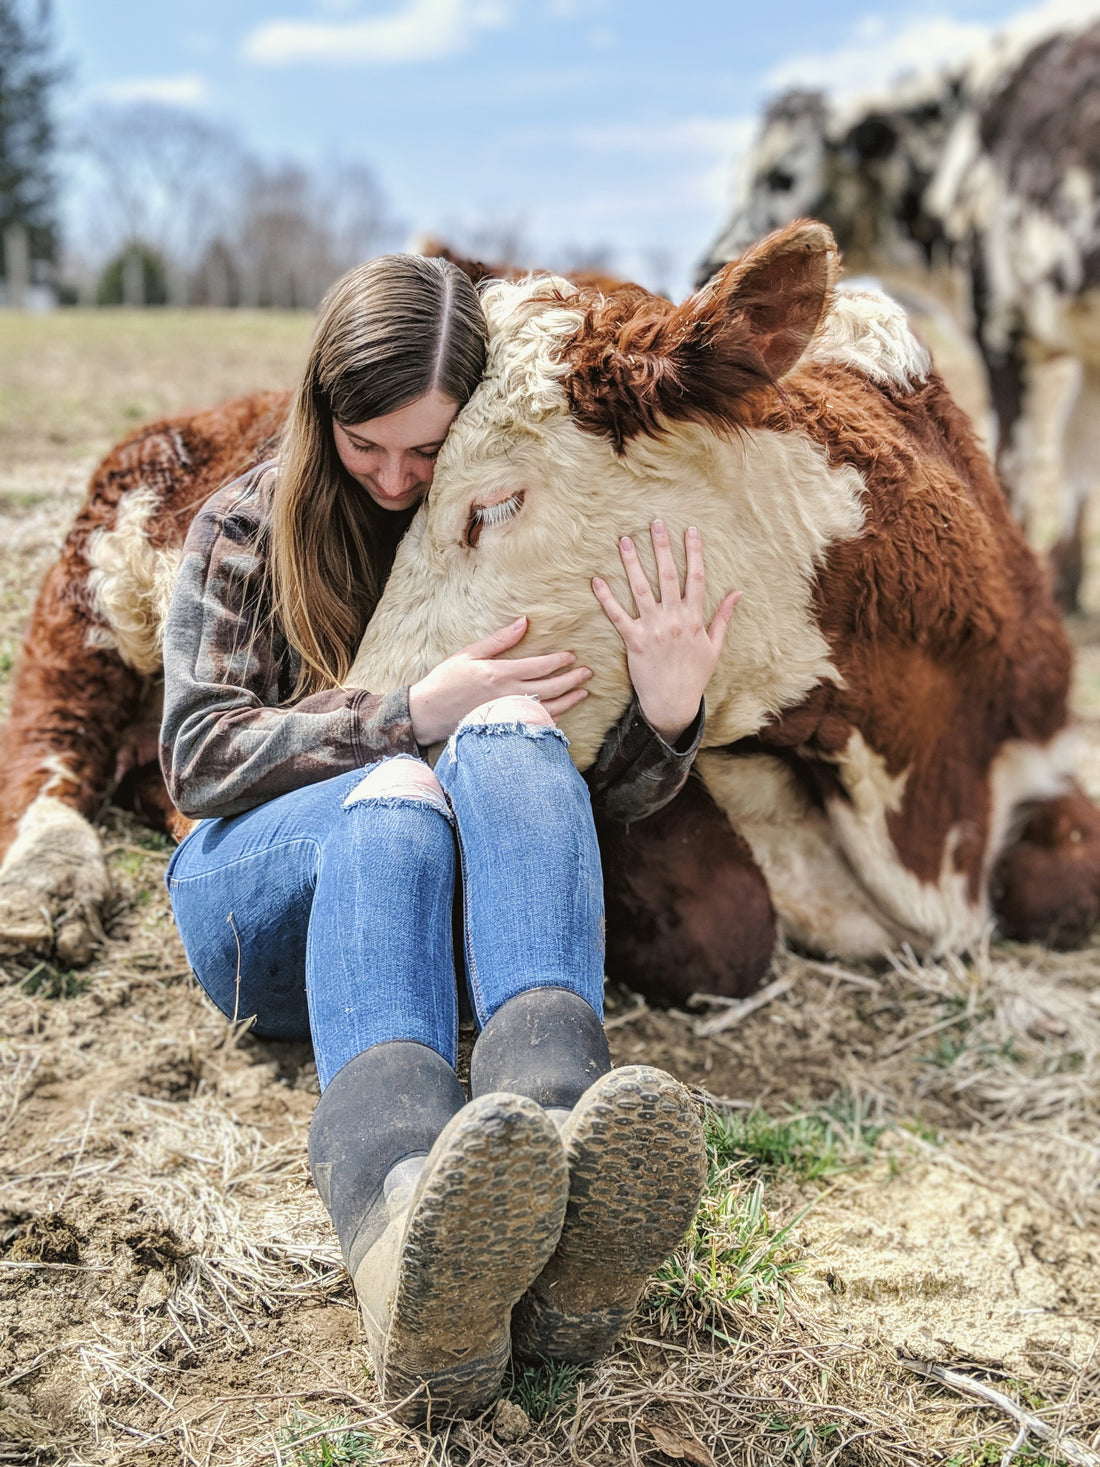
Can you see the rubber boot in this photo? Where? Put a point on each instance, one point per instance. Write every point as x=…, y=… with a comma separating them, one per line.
x=637, y=1167
x=445, y=1213
x=547, y=1043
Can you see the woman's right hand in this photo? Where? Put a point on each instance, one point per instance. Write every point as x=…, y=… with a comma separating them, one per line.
x=440, y=701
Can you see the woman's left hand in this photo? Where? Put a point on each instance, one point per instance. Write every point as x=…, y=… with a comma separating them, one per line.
x=671, y=653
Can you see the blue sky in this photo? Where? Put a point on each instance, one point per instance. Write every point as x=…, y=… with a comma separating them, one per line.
x=578, y=124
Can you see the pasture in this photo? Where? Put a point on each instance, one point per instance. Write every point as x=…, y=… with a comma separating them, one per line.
x=905, y=1161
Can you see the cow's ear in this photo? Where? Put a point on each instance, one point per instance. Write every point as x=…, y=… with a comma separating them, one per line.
x=637, y=363
x=779, y=289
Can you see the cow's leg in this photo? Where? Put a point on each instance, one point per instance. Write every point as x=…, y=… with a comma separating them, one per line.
x=1079, y=427
x=688, y=909
x=1047, y=440
x=1046, y=886
x=1007, y=373
x=59, y=749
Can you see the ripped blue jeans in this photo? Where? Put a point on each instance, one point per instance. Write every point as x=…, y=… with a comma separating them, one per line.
x=328, y=914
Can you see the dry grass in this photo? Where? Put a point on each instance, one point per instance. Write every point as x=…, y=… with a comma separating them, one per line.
x=904, y=1160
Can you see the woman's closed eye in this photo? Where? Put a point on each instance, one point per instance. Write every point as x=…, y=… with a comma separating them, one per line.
x=368, y=448
x=491, y=516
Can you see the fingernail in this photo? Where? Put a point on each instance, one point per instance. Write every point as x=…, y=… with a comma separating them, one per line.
x=693, y=533
x=596, y=581
x=626, y=542
x=517, y=623
x=658, y=527
x=737, y=596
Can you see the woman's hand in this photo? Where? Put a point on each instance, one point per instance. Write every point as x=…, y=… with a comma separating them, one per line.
x=670, y=651
x=439, y=701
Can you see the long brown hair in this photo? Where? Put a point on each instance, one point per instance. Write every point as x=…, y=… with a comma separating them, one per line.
x=388, y=332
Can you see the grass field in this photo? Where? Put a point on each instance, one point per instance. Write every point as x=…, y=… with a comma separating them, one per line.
x=904, y=1162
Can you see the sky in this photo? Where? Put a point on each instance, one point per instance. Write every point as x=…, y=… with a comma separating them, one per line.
x=584, y=128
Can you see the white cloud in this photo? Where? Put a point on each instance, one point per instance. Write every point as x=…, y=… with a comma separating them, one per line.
x=188, y=90
x=418, y=30
x=882, y=49
x=878, y=51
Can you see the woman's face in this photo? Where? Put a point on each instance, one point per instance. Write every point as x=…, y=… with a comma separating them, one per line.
x=393, y=457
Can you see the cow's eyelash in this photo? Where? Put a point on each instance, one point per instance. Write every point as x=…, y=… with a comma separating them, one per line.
x=496, y=514
x=490, y=516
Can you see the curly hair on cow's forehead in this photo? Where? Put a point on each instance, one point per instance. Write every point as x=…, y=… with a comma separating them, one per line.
x=389, y=332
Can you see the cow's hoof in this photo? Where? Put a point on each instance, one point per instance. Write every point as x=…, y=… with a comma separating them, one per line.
x=53, y=886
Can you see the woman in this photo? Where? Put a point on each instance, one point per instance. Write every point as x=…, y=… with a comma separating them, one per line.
x=315, y=898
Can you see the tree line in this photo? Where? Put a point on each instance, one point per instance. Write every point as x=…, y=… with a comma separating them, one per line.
x=173, y=208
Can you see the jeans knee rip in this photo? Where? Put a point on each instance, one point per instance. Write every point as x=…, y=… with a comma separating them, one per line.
x=407, y=800
x=507, y=730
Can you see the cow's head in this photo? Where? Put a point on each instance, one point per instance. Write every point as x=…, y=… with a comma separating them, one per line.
x=596, y=415
x=864, y=168
x=782, y=178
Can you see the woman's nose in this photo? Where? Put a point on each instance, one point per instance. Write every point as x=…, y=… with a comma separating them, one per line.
x=396, y=475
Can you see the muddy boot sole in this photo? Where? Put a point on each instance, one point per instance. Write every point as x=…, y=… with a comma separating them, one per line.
x=637, y=1168
x=484, y=1219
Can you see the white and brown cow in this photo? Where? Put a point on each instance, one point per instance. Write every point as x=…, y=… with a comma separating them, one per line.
x=890, y=709
x=84, y=718
x=887, y=757
x=982, y=179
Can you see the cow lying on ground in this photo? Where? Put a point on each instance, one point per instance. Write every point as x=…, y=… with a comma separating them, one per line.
x=987, y=177
x=887, y=757
x=84, y=719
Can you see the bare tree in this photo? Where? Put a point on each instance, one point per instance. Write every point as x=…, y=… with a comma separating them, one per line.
x=28, y=189
x=298, y=230
x=168, y=180
x=229, y=228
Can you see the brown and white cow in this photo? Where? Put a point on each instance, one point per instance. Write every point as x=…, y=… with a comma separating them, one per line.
x=890, y=709
x=84, y=718
x=887, y=753
x=981, y=180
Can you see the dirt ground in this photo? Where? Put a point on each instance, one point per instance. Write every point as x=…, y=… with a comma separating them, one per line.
x=907, y=1167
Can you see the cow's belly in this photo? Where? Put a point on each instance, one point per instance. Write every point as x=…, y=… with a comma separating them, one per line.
x=835, y=876
x=941, y=915
x=819, y=900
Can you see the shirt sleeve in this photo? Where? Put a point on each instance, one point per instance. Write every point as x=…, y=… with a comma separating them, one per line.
x=637, y=772
x=226, y=745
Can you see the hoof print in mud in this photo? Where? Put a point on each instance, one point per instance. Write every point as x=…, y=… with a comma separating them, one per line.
x=53, y=885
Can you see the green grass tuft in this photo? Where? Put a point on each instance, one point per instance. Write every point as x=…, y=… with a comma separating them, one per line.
x=991, y=1454
x=311, y=1441
x=16, y=501
x=46, y=981
x=833, y=1139
x=803, y=1439
x=543, y=1389
x=733, y=1255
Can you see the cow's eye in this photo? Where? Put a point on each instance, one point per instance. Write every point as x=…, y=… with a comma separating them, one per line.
x=490, y=516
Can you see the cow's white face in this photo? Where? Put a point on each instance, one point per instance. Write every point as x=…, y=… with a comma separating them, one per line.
x=523, y=512
x=527, y=506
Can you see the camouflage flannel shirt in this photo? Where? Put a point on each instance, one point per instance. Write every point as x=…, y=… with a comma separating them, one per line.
x=228, y=739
